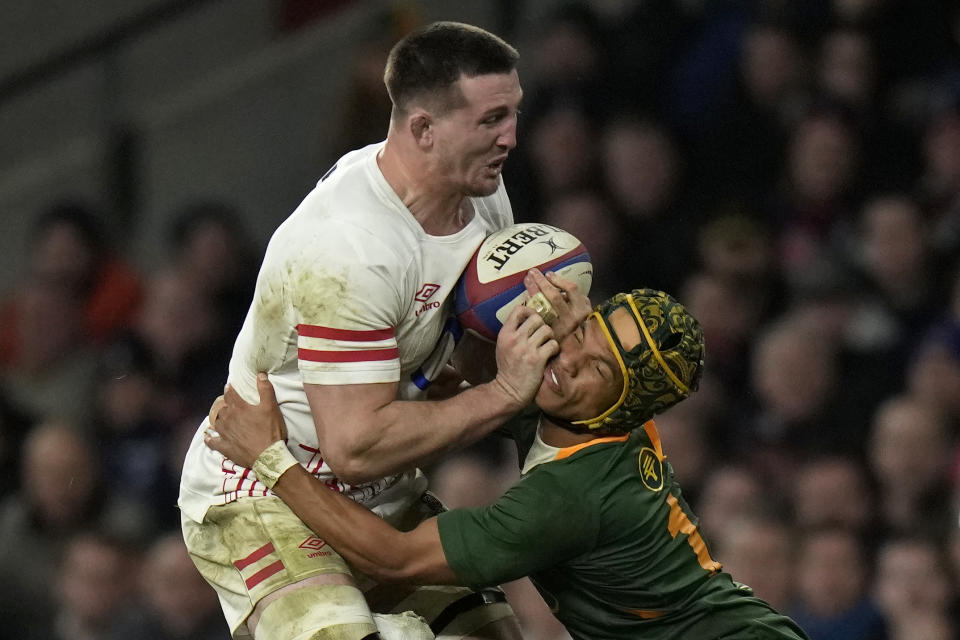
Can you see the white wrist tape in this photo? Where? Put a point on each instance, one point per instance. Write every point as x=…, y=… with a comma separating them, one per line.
x=271, y=464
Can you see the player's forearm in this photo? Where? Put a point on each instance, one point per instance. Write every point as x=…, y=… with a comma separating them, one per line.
x=412, y=433
x=366, y=541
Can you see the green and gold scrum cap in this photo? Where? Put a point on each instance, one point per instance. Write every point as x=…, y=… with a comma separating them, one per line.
x=662, y=369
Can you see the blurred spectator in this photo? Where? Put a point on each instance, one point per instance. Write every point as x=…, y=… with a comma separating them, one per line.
x=833, y=491
x=915, y=590
x=910, y=453
x=212, y=249
x=69, y=248
x=760, y=552
x=894, y=258
x=847, y=74
x=741, y=140
x=731, y=493
x=939, y=185
x=933, y=372
x=730, y=315
x=643, y=42
x=177, y=603
x=736, y=263
x=559, y=156
x=563, y=110
x=846, y=70
x=796, y=378
x=812, y=209
x=135, y=444
x=180, y=329
x=50, y=372
x=736, y=247
x=833, y=587
x=642, y=172
x=77, y=293
x=568, y=58
x=865, y=337
x=61, y=493
x=95, y=587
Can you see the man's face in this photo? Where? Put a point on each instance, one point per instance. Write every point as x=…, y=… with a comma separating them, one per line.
x=584, y=379
x=472, y=140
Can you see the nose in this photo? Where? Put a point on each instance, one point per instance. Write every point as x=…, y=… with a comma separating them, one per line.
x=570, y=359
x=508, y=137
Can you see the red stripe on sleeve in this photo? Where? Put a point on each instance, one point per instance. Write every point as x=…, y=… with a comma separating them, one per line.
x=253, y=557
x=314, y=355
x=263, y=574
x=315, y=331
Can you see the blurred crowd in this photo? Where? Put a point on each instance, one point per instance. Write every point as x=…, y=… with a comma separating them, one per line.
x=788, y=169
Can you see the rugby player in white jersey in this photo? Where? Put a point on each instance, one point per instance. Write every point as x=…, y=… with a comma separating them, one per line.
x=349, y=319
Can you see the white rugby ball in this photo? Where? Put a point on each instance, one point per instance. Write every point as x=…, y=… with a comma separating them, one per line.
x=492, y=283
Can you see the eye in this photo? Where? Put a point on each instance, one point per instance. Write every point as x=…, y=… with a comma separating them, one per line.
x=603, y=369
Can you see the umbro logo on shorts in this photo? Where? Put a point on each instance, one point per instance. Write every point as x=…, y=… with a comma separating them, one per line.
x=313, y=543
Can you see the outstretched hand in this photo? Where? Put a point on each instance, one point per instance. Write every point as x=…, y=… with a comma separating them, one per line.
x=524, y=345
x=241, y=431
x=571, y=306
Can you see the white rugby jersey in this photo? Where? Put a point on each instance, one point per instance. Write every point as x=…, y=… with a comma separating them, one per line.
x=352, y=290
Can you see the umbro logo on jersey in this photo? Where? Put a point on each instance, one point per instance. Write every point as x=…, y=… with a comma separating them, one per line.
x=651, y=469
x=426, y=291
x=424, y=295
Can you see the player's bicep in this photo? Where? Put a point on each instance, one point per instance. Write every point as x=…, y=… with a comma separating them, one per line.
x=426, y=562
x=344, y=417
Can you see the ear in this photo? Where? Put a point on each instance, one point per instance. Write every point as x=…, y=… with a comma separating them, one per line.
x=421, y=127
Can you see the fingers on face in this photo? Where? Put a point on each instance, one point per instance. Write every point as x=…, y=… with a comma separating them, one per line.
x=542, y=335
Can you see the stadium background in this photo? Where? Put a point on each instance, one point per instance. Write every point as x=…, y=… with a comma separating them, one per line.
x=789, y=169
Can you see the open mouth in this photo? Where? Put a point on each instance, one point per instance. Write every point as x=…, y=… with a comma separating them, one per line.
x=497, y=165
x=551, y=379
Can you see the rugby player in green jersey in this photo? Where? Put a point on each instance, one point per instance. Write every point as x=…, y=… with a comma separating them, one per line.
x=596, y=520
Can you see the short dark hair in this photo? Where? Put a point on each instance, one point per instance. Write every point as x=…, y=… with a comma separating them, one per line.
x=432, y=59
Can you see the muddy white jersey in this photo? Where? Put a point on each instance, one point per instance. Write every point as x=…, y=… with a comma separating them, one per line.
x=352, y=290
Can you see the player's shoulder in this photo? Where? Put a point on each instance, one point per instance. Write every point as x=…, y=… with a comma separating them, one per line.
x=345, y=212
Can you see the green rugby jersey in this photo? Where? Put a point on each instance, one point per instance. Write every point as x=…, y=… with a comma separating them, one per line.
x=608, y=541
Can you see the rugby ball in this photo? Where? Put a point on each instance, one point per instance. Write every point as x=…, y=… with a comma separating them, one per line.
x=492, y=283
